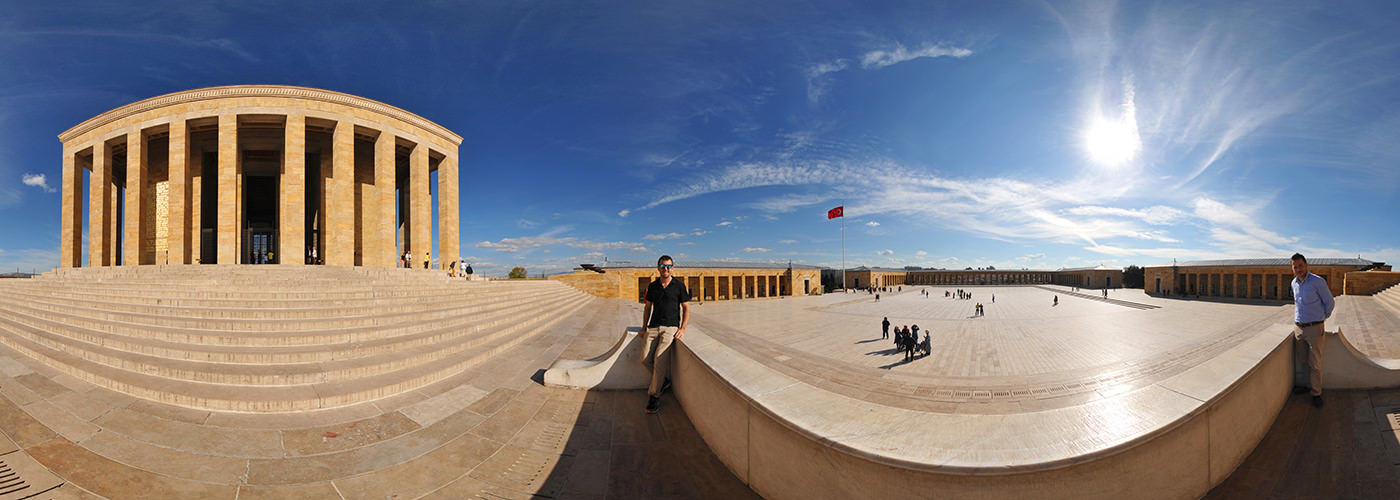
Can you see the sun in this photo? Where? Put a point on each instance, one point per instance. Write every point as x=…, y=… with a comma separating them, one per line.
x=1111, y=142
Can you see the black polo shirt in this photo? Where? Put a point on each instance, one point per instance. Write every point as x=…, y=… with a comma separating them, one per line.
x=666, y=302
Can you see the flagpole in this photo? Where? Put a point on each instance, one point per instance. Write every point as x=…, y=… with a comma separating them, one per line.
x=843, y=246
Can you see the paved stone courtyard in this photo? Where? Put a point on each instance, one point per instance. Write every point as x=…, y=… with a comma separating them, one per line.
x=502, y=435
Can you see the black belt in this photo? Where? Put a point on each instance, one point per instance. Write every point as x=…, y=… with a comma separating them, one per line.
x=1308, y=324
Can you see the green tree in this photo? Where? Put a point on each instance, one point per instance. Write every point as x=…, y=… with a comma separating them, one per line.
x=517, y=273
x=1132, y=277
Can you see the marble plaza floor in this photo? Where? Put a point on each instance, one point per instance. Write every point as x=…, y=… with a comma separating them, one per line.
x=1024, y=354
x=501, y=434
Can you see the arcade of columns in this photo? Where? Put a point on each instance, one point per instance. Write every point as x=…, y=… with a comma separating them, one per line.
x=343, y=176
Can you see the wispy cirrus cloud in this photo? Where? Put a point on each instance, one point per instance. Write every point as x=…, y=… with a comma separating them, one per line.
x=819, y=77
x=881, y=58
x=219, y=44
x=524, y=244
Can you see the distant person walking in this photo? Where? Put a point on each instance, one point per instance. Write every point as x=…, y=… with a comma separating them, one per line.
x=885, y=328
x=1312, y=305
x=427, y=259
x=665, y=316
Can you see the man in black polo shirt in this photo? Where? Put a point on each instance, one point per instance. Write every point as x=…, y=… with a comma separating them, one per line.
x=665, y=315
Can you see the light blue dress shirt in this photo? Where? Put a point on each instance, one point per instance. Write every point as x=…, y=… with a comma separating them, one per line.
x=1312, y=300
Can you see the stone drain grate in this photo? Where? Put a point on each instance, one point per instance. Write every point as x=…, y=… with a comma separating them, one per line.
x=11, y=484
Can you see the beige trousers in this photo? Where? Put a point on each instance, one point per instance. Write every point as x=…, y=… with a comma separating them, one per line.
x=656, y=355
x=1307, y=348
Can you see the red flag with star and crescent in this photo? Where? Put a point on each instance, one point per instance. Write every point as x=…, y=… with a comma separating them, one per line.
x=835, y=212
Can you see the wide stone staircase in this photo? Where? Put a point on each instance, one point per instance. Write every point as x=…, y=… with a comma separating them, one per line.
x=270, y=338
x=1390, y=298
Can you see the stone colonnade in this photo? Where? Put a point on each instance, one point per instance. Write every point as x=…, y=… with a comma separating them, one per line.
x=704, y=284
x=979, y=277
x=1225, y=283
x=258, y=174
x=1236, y=282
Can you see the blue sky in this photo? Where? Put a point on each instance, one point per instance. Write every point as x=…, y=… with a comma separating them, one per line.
x=1013, y=134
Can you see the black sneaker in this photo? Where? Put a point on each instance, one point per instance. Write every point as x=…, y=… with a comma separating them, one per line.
x=1317, y=401
x=665, y=385
x=653, y=404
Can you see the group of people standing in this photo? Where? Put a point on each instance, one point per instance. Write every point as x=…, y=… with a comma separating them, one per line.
x=907, y=339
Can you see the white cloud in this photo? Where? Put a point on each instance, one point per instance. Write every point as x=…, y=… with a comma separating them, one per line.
x=899, y=54
x=920, y=253
x=38, y=180
x=757, y=250
x=1155, y=215
x=885, y=252
x=873, y=224
x=785, y=203
x=663, y=236
x=526, y=223
x=787, y=242
x=1031, y=257
x=527, y=243
x=512, y=245
x=725, y=223
x=624, y=213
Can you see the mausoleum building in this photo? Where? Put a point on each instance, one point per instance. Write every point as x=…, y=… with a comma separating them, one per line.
x=252, y=174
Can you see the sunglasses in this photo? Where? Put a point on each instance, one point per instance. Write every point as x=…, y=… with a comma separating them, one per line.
x=665, y=266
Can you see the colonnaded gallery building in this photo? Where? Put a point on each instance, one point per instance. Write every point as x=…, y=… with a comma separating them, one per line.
x=253, y=174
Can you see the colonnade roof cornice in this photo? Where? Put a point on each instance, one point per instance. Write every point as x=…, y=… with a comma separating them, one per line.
x=234, y=91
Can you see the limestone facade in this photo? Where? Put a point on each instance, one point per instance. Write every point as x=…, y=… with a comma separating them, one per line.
x=1266, y=279
x=705, y=280
x=1369, y=282
x=258, y=173
x=1089, y=277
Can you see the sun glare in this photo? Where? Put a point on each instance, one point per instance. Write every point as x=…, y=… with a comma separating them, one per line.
x=1111, y=142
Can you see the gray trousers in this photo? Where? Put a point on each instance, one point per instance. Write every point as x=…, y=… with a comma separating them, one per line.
x=656, y=355
x=1307, y=349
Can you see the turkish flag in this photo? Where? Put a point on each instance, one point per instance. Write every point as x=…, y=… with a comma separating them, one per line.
x=835, y=212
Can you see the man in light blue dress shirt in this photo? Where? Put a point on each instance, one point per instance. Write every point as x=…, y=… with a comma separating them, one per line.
x=1312, y=304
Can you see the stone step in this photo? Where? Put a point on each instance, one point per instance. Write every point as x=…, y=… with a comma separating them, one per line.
x=255, y=289
x=1389, y=301
x=223, y=397
x=258, y=309
x=350, y=318
x=373, y=362
x=160, y=355
x=316, y=334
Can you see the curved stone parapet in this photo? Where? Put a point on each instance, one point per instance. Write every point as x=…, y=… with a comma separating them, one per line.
x=1174, y=438
x=618, y=369
x=1346, y=367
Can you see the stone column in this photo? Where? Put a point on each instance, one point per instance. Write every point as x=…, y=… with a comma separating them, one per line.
x=340, y=198
x=420, y=209
x=113, y=213
x=196, y=188
x=385, y=252
x=71, y=226
x=449, y=242
x=134, y=239
x=178, y=216
x=101, y=193
x=291, y=223
x=229, y=225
